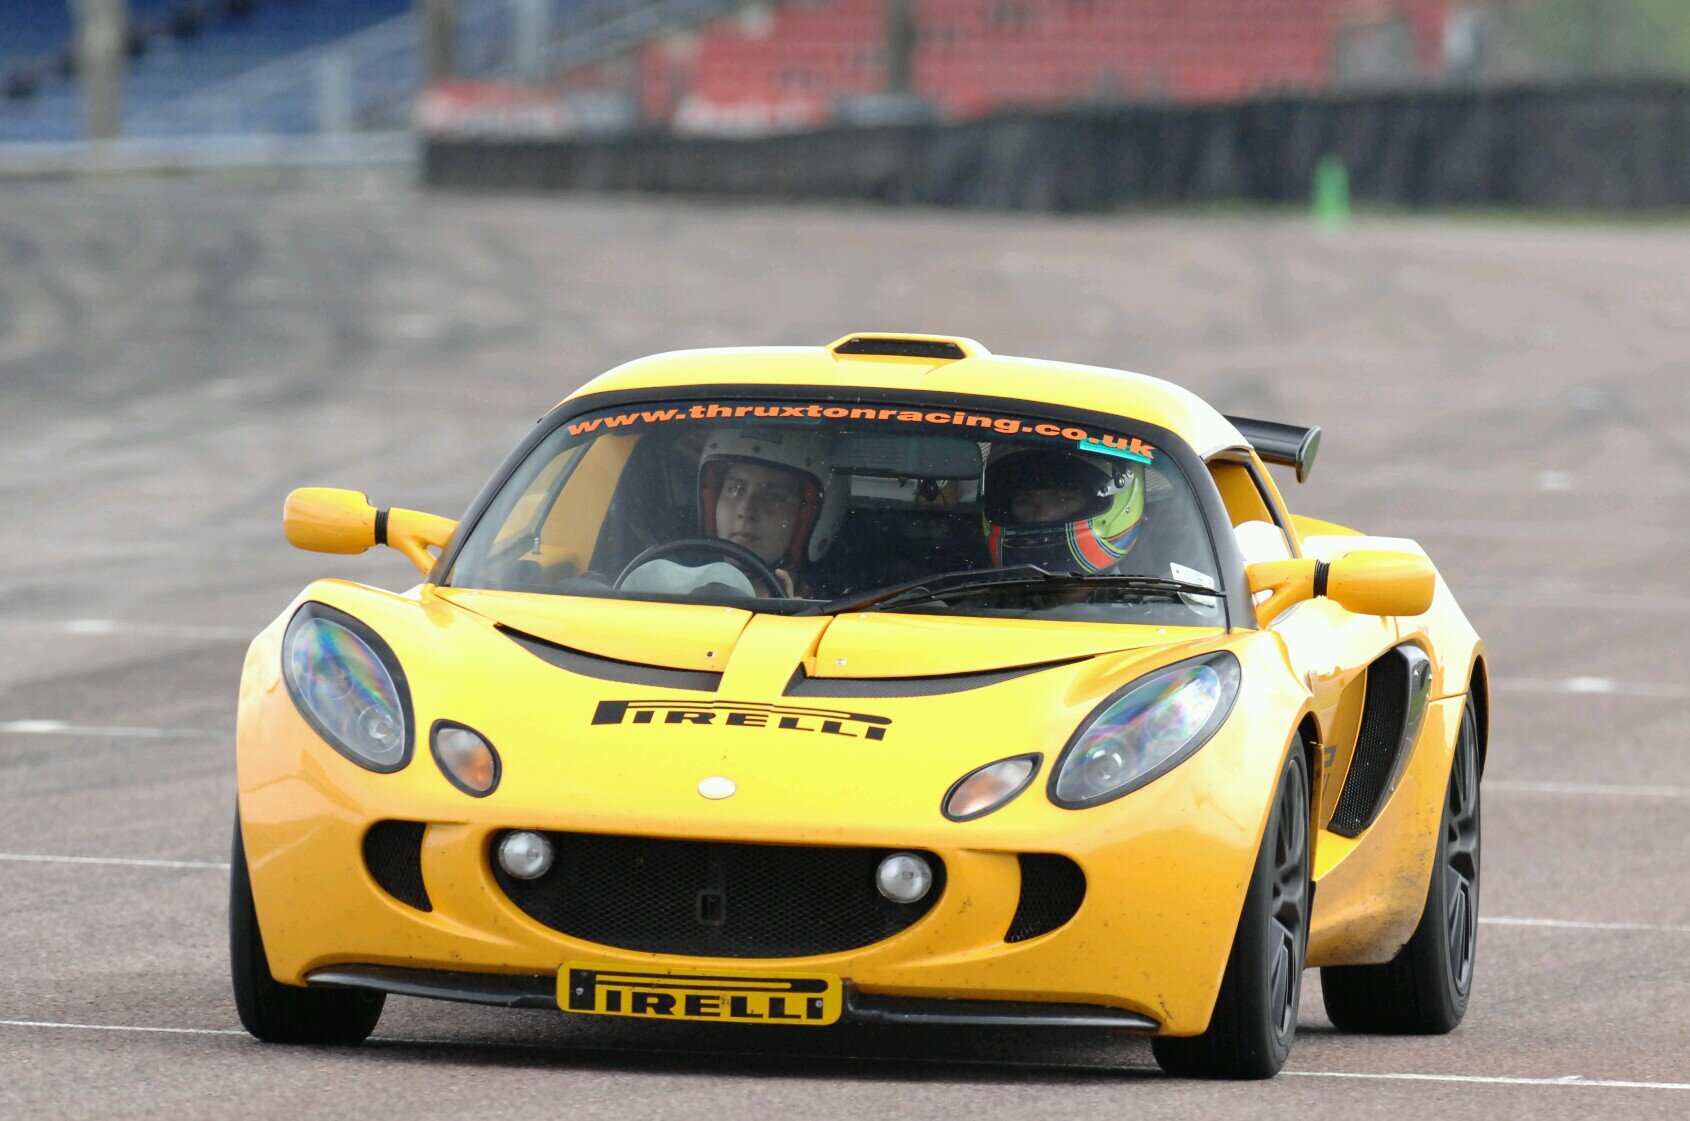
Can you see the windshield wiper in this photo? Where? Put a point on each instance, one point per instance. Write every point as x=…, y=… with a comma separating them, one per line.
x=980, y=581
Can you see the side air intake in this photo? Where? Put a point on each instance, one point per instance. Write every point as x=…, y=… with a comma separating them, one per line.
x=1399, y=685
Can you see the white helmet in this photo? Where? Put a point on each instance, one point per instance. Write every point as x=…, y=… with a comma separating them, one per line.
x=807, y=454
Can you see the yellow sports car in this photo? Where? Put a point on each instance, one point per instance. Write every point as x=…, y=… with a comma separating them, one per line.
x=889, y=681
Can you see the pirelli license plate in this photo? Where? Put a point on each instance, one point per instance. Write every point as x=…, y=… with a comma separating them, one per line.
x=699, y=994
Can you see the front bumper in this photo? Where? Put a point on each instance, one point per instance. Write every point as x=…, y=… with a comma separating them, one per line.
x=539, y=990
x=1165, y=867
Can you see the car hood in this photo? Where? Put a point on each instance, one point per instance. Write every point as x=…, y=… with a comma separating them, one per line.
x=612, y=713
x=857, y=645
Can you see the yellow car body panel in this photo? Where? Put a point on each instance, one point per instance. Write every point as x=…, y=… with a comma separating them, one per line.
x=1166, y=866
x=1145, y=939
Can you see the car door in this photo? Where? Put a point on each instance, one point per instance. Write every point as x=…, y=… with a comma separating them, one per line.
x=1329, y=648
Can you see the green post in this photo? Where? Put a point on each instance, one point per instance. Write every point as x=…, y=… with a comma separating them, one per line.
x=1331, y=196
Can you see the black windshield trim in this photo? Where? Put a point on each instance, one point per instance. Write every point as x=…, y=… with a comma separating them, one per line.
x=1229, y=560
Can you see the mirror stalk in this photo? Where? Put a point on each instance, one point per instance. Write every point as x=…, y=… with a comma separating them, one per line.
x=330, y=520
x=412, y=532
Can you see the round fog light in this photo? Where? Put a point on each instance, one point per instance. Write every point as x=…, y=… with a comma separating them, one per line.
x=527, y=856
x=903, y=877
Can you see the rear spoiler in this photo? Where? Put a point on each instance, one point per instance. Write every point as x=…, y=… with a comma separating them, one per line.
x=1288, y=445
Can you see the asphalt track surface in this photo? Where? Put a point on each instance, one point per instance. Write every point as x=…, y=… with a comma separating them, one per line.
x=175, y=355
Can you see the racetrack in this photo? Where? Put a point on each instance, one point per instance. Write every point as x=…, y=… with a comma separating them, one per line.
x=175, y=355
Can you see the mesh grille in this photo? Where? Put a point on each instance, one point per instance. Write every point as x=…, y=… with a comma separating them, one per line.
x=714, y=899
x=1376, y=745
x=1051, y=890
x=393, y=854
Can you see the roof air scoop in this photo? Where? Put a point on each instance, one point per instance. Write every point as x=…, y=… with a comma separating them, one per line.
x=941, y=348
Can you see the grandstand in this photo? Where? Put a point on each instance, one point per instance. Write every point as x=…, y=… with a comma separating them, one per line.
x=297, y=67
x=974, y=57
x=176, y=48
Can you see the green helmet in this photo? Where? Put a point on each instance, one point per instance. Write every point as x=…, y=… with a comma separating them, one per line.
x=1063, y=511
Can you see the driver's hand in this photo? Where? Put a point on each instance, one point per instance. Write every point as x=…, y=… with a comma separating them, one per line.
x=785, y=579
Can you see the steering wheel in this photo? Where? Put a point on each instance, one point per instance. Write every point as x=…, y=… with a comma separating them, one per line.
x=755, y=566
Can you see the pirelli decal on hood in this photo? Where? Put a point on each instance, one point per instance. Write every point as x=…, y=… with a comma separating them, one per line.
x=745, y=714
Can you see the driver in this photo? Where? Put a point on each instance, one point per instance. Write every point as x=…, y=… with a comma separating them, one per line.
x=772, y=491
x=1063, y=511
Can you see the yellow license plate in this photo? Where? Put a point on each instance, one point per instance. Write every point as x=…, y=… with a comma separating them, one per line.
x=680, y=993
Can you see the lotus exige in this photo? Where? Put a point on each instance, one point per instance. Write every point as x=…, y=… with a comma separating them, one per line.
x=889, y=681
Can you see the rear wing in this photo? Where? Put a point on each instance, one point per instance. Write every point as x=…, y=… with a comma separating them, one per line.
x=1288, y=445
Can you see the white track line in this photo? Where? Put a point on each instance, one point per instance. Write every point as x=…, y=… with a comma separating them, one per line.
x=1579, y=924
x=1590, y=687
x=119, y=1027
x=1585, y=789
x=1563, y=1081
x=34, y=858
x=1495, y=1080
x=1557, y=599
x=62, y=728
x=101, y=628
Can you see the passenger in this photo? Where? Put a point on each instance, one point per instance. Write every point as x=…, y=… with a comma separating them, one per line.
x=1063, y=511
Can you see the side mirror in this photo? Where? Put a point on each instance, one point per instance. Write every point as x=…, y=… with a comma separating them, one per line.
x=1376, y=582
x=330, y=520
x=1366, y=582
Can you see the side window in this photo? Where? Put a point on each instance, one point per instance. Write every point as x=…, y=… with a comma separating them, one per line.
x=1250, y=506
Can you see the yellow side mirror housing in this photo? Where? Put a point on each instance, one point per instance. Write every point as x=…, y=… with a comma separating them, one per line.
x=1366, y=582
x=331, y=520
x=1378, y=582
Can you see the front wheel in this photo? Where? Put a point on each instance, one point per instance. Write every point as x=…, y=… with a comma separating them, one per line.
x=270, y=1010
x=1255, y=1017
x=1424, y=989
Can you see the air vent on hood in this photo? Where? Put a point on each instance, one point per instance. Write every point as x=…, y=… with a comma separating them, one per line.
x=892, y=688
x=613, y=669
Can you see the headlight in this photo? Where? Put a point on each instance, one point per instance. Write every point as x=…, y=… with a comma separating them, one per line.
x=348, y=686
x=984, y=789
x=1145, y=730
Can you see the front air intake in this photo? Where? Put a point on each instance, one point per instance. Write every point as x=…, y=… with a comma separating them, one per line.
x=717, y=899
x=1052, y=888
x=393, y=854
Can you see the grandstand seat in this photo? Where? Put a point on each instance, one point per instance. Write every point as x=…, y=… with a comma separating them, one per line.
x=175, y=46
x=974, y=56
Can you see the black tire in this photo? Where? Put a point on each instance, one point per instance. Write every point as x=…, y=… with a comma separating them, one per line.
x=1255, y=1017
x=1424, y=989
x=270, y=1010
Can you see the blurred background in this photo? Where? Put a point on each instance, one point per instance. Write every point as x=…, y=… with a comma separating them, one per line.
x=1027, y=104
x=251, y=245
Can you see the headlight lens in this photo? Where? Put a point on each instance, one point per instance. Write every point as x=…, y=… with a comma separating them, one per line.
x=1145, y=730
x=466, y=758
x=984, y=789
x=348, y=686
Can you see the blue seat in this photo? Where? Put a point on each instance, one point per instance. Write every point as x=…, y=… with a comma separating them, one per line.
x=166, y=66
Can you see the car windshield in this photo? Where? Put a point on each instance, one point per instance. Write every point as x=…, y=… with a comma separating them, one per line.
x=788, y=506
